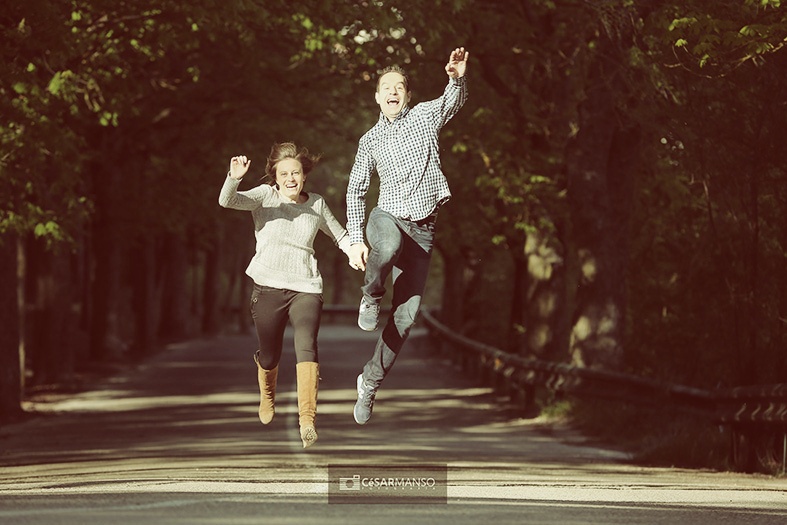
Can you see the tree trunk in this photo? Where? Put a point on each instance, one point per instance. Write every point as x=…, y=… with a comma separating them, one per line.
x=104, y=291
x=452, y=290
x=544, y=299
x=242, y=312
x=517, y=325
x=599, y=168
x=11, y=372
x=56, y=318
x=210, y=308
x=105, y=244
x=144, y=298
x=175, y=298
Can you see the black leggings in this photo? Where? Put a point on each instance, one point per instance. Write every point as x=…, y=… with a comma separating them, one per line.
x=271, y=308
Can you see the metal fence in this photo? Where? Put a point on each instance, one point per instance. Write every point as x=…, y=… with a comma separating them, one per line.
x=756, y=415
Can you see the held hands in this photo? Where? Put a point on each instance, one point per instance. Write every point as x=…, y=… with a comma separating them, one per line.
x=457, y=63
x=239, y=166
x=358, y=254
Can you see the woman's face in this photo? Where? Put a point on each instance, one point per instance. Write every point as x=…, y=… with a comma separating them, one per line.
x=290, y=178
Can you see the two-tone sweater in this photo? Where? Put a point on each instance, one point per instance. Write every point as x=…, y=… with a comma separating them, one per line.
x=284, y=232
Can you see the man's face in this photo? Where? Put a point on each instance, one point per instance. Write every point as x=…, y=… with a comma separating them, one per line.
x=392, y=95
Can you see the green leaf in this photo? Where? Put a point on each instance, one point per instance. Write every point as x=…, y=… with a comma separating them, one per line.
x=108, y=118
x=48, y=229
x=685, y=22
x=58, y=82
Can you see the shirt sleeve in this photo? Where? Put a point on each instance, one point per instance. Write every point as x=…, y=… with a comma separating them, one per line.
x=331, y=227
x=442, y=109
x=230, y=197
x=360, y=178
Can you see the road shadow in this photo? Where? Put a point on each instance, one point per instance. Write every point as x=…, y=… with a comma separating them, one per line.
x=191, y=411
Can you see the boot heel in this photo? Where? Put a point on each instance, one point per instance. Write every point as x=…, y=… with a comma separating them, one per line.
x=308, y=436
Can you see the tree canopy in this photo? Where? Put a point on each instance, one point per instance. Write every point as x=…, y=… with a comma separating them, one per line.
x=617, y=173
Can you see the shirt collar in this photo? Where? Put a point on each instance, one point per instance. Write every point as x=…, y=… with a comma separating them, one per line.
x=401, y=115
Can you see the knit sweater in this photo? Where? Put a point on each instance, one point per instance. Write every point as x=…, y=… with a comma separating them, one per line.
x=285, y=232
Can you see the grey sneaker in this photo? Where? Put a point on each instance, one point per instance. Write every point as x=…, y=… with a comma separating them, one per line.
x=368, y=316
x=362, y=411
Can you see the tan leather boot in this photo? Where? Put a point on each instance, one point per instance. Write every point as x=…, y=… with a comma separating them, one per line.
x=308, y=378
x=267, y=382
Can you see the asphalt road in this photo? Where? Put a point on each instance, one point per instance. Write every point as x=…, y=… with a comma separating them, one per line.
x=177, y=440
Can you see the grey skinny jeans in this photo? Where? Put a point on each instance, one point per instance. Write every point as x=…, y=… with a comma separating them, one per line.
x=405, y=248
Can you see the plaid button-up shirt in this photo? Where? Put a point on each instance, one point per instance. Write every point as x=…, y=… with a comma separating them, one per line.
x=405, y=154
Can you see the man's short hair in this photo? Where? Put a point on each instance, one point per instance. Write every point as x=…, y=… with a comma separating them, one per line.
x=394, y=69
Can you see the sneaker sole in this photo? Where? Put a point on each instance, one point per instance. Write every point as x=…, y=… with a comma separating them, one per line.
x=355, y=408
x=357, y=420
x=367, y=329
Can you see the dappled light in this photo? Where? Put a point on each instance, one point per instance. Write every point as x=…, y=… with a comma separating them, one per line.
x=173, y=408
x=184, y=426
x=591, y=292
